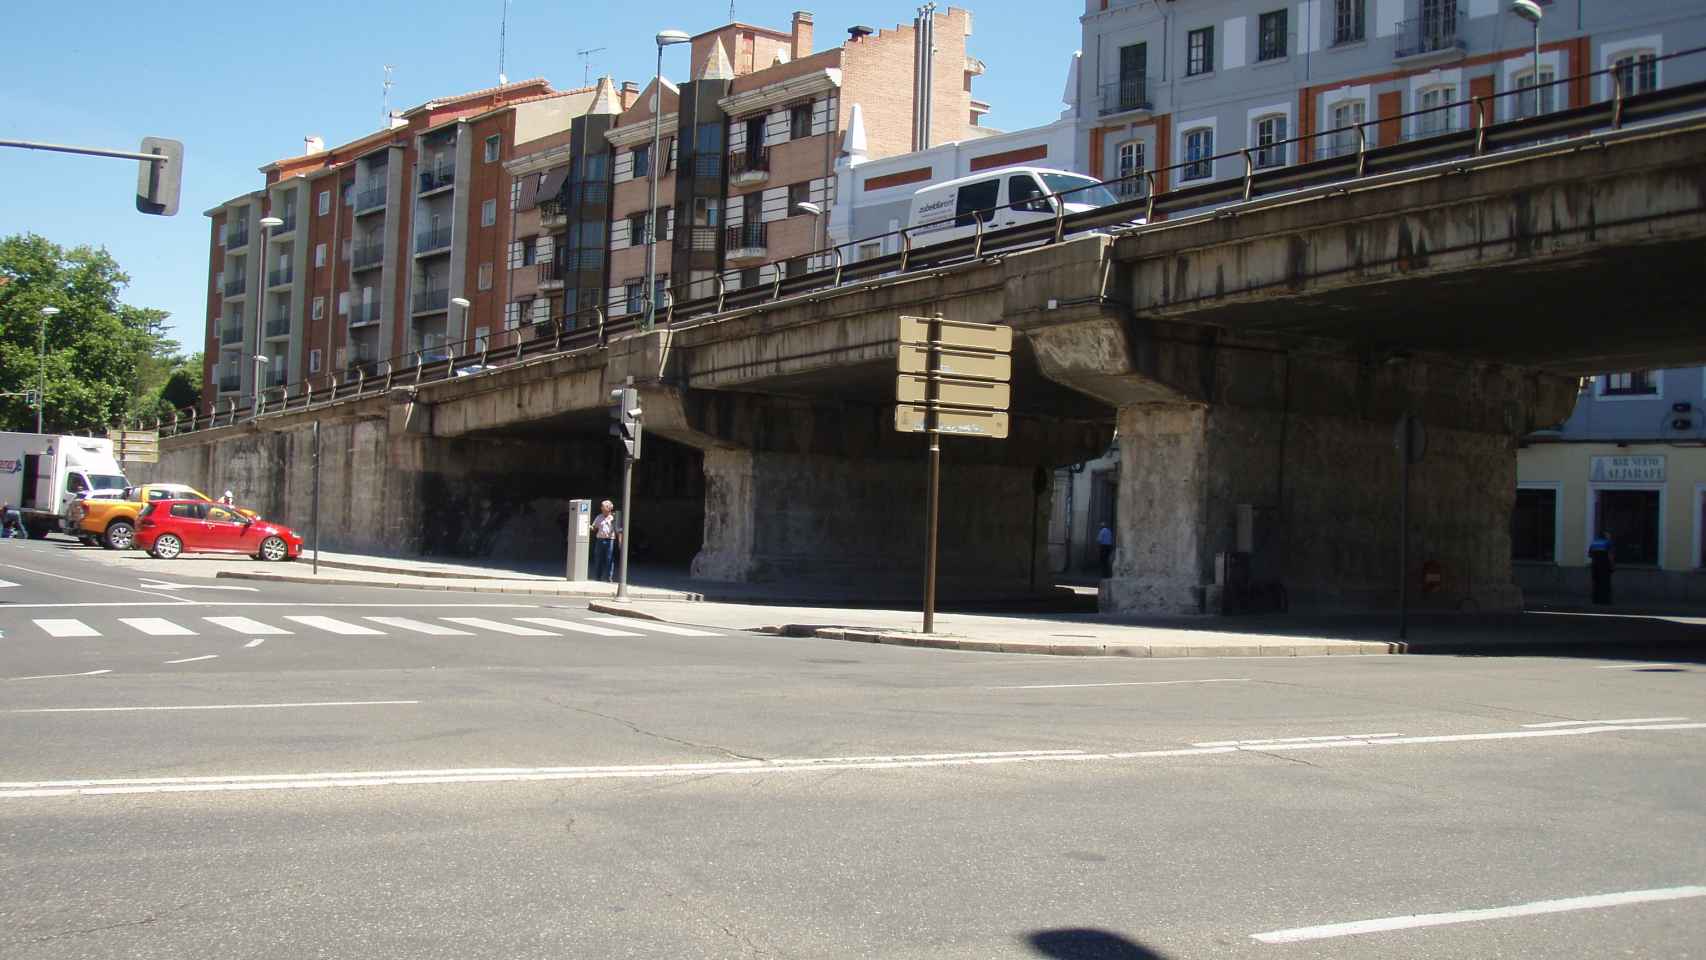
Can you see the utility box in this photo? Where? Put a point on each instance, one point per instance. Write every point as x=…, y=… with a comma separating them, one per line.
x=580, y=539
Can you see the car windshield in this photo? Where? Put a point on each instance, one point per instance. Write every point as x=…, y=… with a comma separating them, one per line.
x=100, y=481
x=1079, y=190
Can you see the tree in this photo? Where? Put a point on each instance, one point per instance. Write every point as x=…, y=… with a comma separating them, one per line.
x=103, y=355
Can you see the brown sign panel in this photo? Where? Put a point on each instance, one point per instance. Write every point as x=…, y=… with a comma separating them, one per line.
x=989, y=424
x=993, y=337
x=954, y=392
x=955, y=363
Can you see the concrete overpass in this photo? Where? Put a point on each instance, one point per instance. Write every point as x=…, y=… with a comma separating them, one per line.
x=1258, y=355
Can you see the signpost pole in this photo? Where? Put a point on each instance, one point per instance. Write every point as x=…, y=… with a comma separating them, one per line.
x=314, y=508
x=626, y=531
x=932, y=392
x=1404, y=454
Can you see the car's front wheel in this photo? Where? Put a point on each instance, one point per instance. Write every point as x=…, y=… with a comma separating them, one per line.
x=274, y=549
x=167, y=546
x=119, y=536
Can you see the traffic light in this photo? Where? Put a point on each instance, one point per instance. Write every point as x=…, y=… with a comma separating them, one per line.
x=31, y=398
x=625, y=419
x=158, y=182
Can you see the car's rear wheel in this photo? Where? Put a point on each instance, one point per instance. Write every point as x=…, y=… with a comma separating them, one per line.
x=274, y=549
x=167, y=546
x=120, y=535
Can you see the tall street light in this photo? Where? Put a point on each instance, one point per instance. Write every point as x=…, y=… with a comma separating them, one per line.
x=1530, y=11
x=41, y=363
x=462, y=304
x=267, y=225
x=665, y=38
x=816, y=212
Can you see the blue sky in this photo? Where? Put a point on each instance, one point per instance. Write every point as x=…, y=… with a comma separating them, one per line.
x=241, y=84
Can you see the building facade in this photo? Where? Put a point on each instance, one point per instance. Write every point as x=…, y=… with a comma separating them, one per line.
x=1630, y=462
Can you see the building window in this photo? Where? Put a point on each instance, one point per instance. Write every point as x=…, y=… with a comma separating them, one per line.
x=665, y=220
x=800, y=121
x=1270, y=142
x=634, y=295
x=642, y=156
x=1129, y=161
x=485, y=276
x=482, y=338
x=347, y=247
x=1134, y=71
x=319, y=308
x=512, y=315
x=669, y=158
x=488, y=213
x=343, y=303
x=319, y=254
x=219, y=280
x=514, y=194
x=798, y=193
x=324, y=203
x=637, y=230
x=1270, y=41
x=1199, y=147
x=1437, y=112
x=529, y=251
x=1548, y=92
x=1631, y=517
x=347, y=192
x=870, y=251
x=1634, y=383
x=1347, y=118
x=493, y=144
x=314, y=360
x=1199, y=52
x=1637, y=72
x=1534, y=525
x=1347, y=21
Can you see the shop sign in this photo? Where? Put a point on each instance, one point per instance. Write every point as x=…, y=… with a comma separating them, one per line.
x=1629, y=469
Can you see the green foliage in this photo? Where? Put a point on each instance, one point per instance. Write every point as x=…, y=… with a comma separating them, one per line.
x=105, y=359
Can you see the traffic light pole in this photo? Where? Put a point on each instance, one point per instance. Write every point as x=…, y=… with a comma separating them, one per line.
x=935, y=494
x=627, y=523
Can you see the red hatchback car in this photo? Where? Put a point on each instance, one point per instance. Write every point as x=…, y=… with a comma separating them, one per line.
x=167, y=528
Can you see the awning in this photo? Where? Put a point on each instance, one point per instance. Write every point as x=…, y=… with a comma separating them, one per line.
x=529, y=197
x=552, y=184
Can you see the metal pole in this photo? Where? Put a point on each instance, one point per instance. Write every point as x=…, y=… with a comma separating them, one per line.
x=41, y=369
x=627, y=525
x=314, y=509
x=651, y=226
x=930, y=550
x=260, y=318
x=1537, y=68
x=1404, y=530
x=86, y=151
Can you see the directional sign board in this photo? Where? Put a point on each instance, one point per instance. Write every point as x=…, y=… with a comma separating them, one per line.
x=135, y=446
x=954, y=392
x=955, y=363
x=914, y=418
x=987, y=337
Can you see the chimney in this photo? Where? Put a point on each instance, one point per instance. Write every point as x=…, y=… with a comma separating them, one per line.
x=856, y=34
x=312, y=144
x=630, y=93
x=802, y=34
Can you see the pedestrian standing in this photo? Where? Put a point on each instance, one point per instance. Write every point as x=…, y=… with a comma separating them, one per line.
x=228, y=499
x=7, y=523
x=1602, y=558
x=605, y=537
x=1105, y=543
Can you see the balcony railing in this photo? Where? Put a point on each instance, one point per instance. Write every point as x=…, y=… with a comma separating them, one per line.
x=370, y=198
x=363, y=314
x=746, y=240
x=361, y=353
x=551, y=272
x=552, y=214
x=279, y=326
x=237, y=287
x=1435, y=30
x=749, y=166
x=279, y=277
x=277, y=375
x=702, y=239
x=367, y=255
x=708, y=165
x=429, y=240
x=231, y=332
x=428, y=300
x=1127, y=93
x=229, y=382
x=237, y=238
x=288, y=226
x=437, y=179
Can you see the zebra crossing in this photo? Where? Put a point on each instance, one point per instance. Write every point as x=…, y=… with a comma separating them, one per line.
x=365, y=626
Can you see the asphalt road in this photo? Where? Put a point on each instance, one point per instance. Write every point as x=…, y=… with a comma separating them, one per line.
x=397, y=774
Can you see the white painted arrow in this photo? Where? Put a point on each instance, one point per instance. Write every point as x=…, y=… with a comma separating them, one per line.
x=161, y=585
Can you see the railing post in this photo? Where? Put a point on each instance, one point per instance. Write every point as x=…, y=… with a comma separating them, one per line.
x=905, y=249
x=1362, y=151
x=1480, y=125
x=599, y=308
x=837, y=251
x=1249, y=173
x=1059, y=221
x=722, y=291
x=1616, y=99
x=776, y=288
x=977, y=240
x=1149, y=210
x=419, y=356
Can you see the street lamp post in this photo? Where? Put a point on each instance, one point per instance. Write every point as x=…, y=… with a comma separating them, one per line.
x=267, y=224
x=1530, y=11
x=664, y=38
x=41, y=363
x=462, y=304
x=815, y=211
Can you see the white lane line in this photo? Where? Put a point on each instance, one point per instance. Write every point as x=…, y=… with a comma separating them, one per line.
x=1584, y=723
x=56, y=676
x=1634, y=666
x=337, y=626
x=498, y=626
x=418, y=626
x=205, y=656
x=92, y=583
x=577, y=627
x=253, y=628
x=222, y=706
x=67, y=628
x=157, y=626
x=254, y=643
x=655, y=627
x=6, y=583
x=1128, y=683
x=1538, y=907
x=1287, y=740
x=289, y=781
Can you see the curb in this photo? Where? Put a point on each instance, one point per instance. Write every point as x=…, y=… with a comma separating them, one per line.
x=447, y=586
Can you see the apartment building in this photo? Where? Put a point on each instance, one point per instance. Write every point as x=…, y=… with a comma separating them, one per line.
x=1631, y=462
x=381, y=240
x=758, y=131
x=1165, y=83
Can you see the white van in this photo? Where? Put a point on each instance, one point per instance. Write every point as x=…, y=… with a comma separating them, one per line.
x=1000, y=198
x=41, y=473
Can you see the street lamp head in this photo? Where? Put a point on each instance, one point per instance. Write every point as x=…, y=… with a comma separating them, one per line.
x=667, y=38
x=50, y=311
x=807, y=207
x=270, y=222
x=1528, y=10
x=460, y=301
x=261, y=358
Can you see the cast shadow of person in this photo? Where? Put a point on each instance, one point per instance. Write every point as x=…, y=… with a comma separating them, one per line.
x=1087, y=944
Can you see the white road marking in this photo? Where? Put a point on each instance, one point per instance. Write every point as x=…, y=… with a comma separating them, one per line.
x=1285, y=740
x=222, y=706
x=205, y=656
x=1538, y=907
x=289, y=781
x=92, y=583
x=418, y=626
x=254, y=643
x=655, y=627
x=577, y=627
x=1635, y=666
x=1129, y=683
x=157, y=627
x=67, y=628
x=337, y=626
x=253, y=628
x=1583, y=723
x=6, y=583
x=56, y=676
x=162, y=585
x=497, y=626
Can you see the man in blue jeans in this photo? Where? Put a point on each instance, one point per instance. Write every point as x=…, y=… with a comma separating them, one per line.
x=605, y=537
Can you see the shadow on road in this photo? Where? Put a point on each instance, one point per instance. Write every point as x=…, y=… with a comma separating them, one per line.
x=1086, y=944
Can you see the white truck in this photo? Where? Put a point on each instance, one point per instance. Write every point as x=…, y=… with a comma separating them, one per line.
x=40, y=474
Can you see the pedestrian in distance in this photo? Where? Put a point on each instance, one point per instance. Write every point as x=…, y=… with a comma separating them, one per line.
x=228, y=499
x=1105, y=543
x=606, y=537
x=9, y=525
x=1602, y=560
